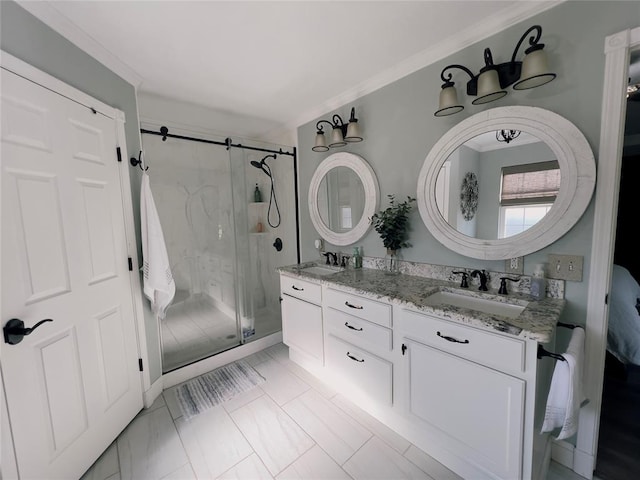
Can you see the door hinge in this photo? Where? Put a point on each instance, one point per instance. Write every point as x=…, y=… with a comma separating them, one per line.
x=119, y=154
x=404, y=348
x=280, y=299
x=130, y=264
x=140, y=364
x=606, y=299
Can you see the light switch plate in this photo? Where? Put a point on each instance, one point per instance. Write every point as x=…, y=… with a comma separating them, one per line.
x=514, y=265
x=565, y=267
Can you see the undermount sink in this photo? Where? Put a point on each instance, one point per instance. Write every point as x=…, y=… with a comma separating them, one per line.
x=491, y=307
x=319, y=270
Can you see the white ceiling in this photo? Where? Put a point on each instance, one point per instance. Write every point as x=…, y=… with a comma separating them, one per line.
x=284, y=63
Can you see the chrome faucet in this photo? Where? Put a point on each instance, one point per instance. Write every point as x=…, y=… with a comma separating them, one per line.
x=483, y=279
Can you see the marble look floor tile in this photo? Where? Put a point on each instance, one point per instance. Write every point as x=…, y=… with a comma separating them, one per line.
x=150, y=448
x=279, y=352
x=377, y=460
x=430, y=465
x=213, y=442
x=310, y=379
x=242, y=399
x=157, y=403
x=171, y=400
x=276, y=438
x=337, y=433
x=251, y=468
x=281, y=385
x=258, y=357
x=314, y=464
x=379, y=429
x=183, y=473
x=106, y=466
x=115, y=476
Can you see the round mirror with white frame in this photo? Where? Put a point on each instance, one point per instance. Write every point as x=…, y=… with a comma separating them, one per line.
x=343, y=195
x=483, y=236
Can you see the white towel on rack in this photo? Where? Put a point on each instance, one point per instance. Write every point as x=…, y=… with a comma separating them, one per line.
x=566, y=392
x=159, y=286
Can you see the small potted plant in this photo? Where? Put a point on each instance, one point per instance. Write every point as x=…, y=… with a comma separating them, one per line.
x=393, y=226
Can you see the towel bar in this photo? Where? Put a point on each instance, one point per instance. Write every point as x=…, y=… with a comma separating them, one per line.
x=543, y=353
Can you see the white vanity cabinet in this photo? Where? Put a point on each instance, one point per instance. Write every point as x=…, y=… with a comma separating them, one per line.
x=474, y=391
x=358, y=344
x=302, y=317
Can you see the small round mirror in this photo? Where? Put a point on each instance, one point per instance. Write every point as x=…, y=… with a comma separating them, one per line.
x=343, y=196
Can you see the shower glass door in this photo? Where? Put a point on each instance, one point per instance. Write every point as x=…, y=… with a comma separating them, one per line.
x=191, y=183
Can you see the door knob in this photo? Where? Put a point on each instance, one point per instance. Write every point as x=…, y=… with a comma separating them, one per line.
x=14, y=330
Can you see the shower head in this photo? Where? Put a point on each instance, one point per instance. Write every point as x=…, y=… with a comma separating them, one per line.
x=262, y=164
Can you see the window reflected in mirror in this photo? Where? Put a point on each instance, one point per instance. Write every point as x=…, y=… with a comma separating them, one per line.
x=518, y=182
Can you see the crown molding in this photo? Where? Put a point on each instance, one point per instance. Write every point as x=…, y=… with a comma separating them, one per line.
x=514, y=13
x=46, y=12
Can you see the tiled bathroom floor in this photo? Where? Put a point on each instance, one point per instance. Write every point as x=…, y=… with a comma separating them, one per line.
x=290, y=427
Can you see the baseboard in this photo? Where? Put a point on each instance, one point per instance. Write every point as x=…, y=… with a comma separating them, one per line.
x=206, y=365
x=562, y=453
x=150, y=396
x=584, y=463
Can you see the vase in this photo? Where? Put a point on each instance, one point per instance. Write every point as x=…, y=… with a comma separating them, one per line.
x=392, y=262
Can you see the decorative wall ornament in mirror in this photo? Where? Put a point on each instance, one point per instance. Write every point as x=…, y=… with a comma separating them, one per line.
x=343, y=196
x=502, y=228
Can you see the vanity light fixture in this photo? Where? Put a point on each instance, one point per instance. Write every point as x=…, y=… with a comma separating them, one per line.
x=341, y=133
x=492, y=80
x=507, y=136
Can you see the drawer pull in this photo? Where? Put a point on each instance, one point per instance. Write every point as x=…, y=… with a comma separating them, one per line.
x=296, y=288
x=451, y=339
x=354, y=358
x=359, y=307
x=346, y=324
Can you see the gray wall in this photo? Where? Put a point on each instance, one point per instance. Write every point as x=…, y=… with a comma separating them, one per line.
x=27, y=38
x=400, y=129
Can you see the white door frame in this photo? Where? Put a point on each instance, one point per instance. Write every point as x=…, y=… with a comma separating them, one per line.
x=617, y=48
x=19, y=67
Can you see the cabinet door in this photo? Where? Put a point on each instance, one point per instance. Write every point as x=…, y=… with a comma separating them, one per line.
x=302, y=326
x=480, y=407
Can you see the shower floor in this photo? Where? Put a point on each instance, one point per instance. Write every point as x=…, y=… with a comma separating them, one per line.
x=195, y=328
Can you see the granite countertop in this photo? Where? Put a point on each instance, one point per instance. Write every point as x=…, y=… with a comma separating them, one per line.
x=536, y=322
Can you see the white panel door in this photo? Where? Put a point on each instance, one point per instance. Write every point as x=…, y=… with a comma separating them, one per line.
x=73, y=384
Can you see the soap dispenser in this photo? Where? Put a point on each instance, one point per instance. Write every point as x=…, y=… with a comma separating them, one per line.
x=356, y=258
x=538, y=283
x=257, y=196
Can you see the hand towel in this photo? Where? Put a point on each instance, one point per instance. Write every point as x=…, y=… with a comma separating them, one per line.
x=566, y=392
x=159, y=286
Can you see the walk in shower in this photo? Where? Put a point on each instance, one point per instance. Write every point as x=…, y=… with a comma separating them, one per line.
x=223, y=246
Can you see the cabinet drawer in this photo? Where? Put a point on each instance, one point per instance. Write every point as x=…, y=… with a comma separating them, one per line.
x=303, y=289
x=370, y=374
x=356, y=305
x=358, y=331
x=487, y=348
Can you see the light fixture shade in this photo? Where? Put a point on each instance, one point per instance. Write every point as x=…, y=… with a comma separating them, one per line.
x=336, y=138
x=353, y=132
x=535, y=71
x=448, y=104
x=489, y=87
x=321, y=143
